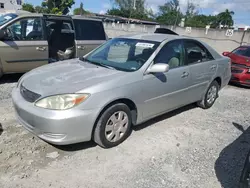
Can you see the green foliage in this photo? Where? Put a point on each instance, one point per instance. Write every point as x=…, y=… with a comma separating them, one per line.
x=40, y=9
x=225, y=18
x=28, y=7
x=80, y=10
x=58, y=6
x=170, y=13
x=201, y=21
x=50, y=6
x=125, y=8
x=170, y=17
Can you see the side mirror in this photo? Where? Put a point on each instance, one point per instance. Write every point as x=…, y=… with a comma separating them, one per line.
x=158, y=68
x=225, y=53
x=2, y=34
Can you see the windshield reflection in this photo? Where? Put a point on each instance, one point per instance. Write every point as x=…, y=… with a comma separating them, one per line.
x=6, y=18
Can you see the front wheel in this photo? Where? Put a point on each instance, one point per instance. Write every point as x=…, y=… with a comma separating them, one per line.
x=113, y=126
x=210, y=96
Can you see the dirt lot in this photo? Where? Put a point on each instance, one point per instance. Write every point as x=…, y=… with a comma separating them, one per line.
x=187, y=148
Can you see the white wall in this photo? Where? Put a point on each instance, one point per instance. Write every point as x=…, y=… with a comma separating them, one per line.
x=215, y=38
x=9, y=7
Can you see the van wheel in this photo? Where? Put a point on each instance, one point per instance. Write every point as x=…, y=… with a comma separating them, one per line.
x=114, y=126
x=210, y=96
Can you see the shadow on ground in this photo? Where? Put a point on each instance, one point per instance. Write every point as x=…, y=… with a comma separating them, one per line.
x=10, y=78
x=1, y=129
x=238, y=85
x=229, y=165
x=164, y=116
x=76, y=147
x=86, y=145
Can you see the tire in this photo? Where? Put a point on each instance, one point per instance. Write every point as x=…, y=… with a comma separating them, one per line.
x=1, y=72
x=106, y=128
x=205, y=104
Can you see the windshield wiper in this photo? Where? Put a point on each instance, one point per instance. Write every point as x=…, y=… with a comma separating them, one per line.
x=109, y=67
x=97, y=63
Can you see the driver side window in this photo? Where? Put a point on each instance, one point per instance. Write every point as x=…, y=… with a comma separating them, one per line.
x=28, y=29
x=172, y=54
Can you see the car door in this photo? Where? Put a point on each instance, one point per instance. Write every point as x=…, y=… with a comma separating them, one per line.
x=24, y=47
x=89, y=35
x=202, y=68
x=163, y=92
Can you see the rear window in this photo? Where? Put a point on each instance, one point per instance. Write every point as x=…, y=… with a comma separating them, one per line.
x=89, y=30
x=243, y=51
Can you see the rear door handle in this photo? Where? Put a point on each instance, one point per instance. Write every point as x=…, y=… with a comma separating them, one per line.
x=185, y=74
x=40, y=48
x=81, y=47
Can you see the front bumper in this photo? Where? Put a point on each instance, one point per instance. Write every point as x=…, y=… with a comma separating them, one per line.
x=240, y=75
x=242, y=79
x=56, y=127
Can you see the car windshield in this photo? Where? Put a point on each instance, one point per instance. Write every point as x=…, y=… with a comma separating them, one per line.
x=243, y=51
x=6, y=18
x=123, y=54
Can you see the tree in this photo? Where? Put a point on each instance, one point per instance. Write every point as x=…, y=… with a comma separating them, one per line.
x=191, y=10
x=172, y=5
x=170, y=13
x=80, y=10
x=201, y=21
x=58, y=6
x=40, y=9
x=225, y=18
x=130, y=9
x=28, y=7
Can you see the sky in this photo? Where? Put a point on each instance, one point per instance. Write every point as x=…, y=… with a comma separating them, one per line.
x=240, y=7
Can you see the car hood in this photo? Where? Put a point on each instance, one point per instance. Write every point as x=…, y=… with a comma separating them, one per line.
x=67, y=77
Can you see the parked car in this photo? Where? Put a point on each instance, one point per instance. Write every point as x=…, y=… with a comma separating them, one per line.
x=240, y=65
x=124, y=82
x=28, y=41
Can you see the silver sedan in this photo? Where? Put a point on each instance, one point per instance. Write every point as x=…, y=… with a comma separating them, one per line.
x=124, y=82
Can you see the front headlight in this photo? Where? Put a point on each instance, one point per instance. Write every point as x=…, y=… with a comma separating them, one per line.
x=61, y=102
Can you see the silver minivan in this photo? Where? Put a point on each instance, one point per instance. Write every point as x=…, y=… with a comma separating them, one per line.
x=28, y=40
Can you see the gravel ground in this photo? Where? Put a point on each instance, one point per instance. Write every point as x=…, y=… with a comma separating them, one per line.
x=187, y=148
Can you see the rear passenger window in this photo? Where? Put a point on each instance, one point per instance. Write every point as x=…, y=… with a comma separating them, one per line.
x=196, y=53
x=89, y=30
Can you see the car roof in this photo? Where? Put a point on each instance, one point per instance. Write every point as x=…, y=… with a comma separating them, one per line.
x=244, y=46
x=25, y=14
x=156, y=37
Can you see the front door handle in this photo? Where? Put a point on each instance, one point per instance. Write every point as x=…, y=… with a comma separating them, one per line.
x=40, y=48
x=81, y=47
x=185, y=74
x=213, y=67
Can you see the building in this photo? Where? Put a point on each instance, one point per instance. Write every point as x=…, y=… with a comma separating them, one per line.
x=10, y=6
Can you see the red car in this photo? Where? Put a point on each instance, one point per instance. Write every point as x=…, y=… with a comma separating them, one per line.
x=240, y=65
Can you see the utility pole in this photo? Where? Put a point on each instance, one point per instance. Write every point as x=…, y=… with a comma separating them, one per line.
x=134, y=7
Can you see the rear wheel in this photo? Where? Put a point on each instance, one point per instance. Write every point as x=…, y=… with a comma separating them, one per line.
x=210, y=96
x=113, y=126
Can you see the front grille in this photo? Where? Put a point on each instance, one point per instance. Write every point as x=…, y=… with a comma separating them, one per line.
x=237, y=71
x=28, y=95
x=240, y=65
x=235, y=79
